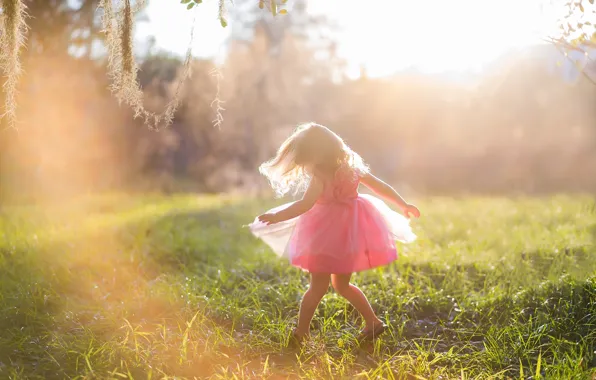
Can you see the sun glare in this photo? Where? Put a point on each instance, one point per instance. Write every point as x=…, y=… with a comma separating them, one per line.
x=433, y=36
x=387, y=36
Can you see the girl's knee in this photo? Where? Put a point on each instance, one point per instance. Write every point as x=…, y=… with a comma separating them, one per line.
x=341, y=284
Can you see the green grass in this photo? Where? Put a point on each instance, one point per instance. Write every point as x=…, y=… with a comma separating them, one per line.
x=175, y=287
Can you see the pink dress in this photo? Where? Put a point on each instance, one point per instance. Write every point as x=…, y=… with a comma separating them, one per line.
x=344, y=232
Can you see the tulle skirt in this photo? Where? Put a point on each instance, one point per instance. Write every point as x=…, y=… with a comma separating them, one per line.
x=338, y=237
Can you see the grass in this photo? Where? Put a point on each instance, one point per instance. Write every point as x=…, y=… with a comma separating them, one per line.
x=153, y=287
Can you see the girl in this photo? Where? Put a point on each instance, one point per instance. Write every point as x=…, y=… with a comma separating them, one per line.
x=333, y=231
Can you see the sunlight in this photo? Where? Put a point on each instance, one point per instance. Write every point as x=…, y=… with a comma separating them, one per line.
x=432, y=35
x=136, y=249
x=386, y=36
x=174, y=37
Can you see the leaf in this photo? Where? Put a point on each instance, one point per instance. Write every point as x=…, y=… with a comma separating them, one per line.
x=223, y=22
x=190, y=6
x=538, y=365
x=266, y=366
x=184, y=1
x=273, y=8
x=283, y=12
x=262, y=4
x=581, y=7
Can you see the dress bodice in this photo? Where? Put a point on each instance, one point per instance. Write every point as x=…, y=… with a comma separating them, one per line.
x=343, y=187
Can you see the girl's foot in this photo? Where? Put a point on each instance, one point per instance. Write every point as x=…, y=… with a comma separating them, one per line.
x=297, y=338
x=370, y=333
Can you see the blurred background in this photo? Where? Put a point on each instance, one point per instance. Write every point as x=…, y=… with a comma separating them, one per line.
x=454, y=97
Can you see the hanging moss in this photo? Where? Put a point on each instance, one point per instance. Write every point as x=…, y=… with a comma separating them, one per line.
x=13, y=37
x=126, y=40
x=118, y=28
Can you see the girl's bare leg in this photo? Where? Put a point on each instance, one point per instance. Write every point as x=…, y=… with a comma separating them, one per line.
x=319, y=284
x=341, y=284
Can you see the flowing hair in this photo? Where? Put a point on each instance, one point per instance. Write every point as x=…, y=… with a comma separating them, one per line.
x=310, y=146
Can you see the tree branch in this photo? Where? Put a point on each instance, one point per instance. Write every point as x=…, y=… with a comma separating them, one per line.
x=557, y=44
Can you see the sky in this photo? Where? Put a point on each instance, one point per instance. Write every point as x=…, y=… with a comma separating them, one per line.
x=385, y=36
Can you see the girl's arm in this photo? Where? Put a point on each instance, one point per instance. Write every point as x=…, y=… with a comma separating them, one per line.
x=384, y=190
x=297, y=208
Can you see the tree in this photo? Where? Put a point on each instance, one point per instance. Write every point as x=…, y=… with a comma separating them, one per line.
x=190, y=149
x=577, y=33
x=72, y=121
x=271, y=70
x=118, y=26
x=58, y=28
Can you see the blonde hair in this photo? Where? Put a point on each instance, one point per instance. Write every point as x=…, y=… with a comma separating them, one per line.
x=310, y=147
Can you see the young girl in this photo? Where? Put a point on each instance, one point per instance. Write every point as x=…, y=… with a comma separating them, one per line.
x=333, y=231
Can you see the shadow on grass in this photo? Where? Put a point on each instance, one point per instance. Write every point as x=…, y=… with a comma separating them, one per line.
x=28, y=306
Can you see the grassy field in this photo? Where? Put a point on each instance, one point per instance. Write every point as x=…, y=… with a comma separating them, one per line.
x=175, y=287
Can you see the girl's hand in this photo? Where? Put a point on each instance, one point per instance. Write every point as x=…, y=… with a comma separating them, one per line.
x=411, y=209
x=269, y=219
